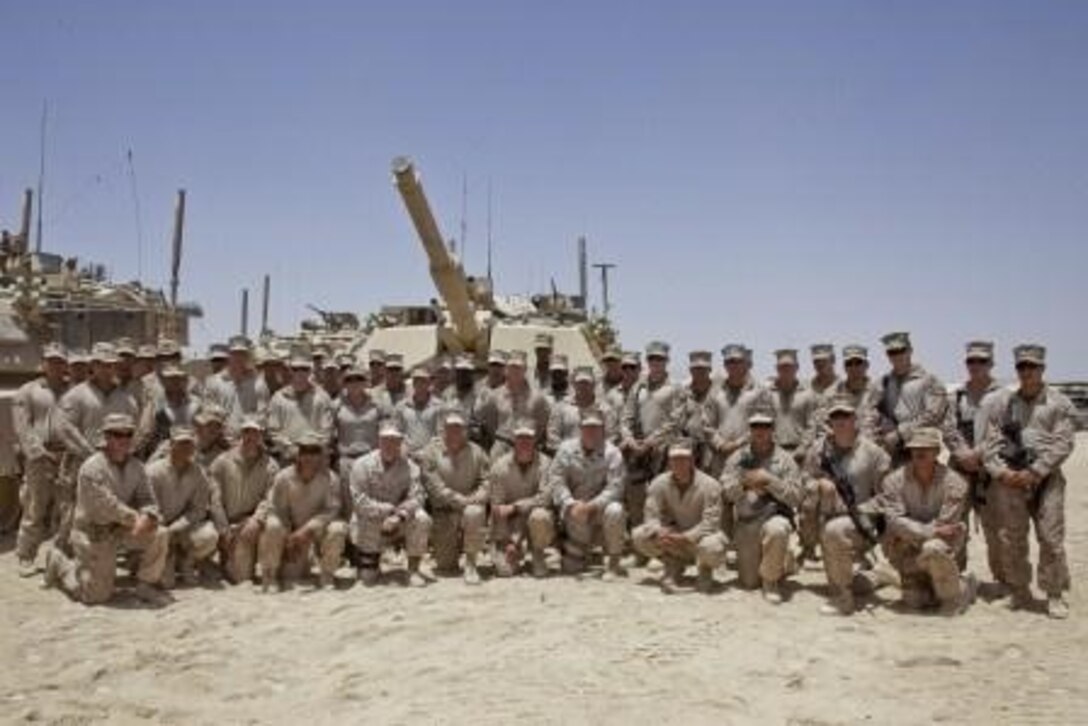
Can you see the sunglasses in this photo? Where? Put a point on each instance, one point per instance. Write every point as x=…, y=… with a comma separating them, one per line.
x=1026, y=366
x=119, y=434
x=977, y=361
x=840, y=415
x=309, y=450
x=854, y=363
x=761, y=425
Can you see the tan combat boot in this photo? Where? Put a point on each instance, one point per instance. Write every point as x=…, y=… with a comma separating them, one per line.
x=614, y=570
x=415, y=577
x=472, y=576
x=540, y=565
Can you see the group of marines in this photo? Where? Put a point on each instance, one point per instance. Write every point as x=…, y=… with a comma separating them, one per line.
x=271, y=465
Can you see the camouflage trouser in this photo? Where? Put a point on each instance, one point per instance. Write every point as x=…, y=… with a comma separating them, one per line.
x=193, y=544
x=842, y=544
x=1015, y=515
x=454, y=530
x=239, y=559
x=368, y=537
x=538, y=526
x=708, y=552
x=926, y=564
x=329, y=542
x=809, y=516
x=65, y=500
x=988, y=518
x=37, y=498
x=607, y=526
x=90, y=575
x=762, y=550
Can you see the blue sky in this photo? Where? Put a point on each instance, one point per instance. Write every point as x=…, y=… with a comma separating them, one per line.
x=777, y=173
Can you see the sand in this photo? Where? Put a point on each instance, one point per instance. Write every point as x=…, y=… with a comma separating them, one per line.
x=554, y=651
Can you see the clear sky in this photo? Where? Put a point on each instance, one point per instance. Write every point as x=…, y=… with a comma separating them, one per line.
x=776, y=173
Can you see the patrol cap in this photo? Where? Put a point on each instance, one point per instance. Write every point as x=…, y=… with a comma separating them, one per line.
x=542, y=340
x=524, y=428
x=330, y=364
x=761, y=416
x=355, y=374
x=217, y=351
x=394, y=361
x=146, y=352
x=612, y=354
x=421, y=373
x=680, y=447
x=103, y=353
x=733, y=352
x=173, y=371
x=309, y=440
x=855, y=352
x=376, y=357
x=210, y=413
x=657, y=349
x=822, y=351
x=78, y=357
x=1029, y=353
x=700, y=359
x=118, y=422
x=464, y=363
x=454, y=418
x=182, y=433
x=52, y=351
x=496, y=358
x=444, y=363
x=558, y=363
x=786, y=356
x=925, y=437
x=841, y=404
x=592, y=418
x=168, y=349
x=631, y=359
x=516, y=358
x=251, y=423
x=895, y=342
x=980, y=350
x=300, y=362
x=239, y=344
x=584, y=374
x=390, y=430
x=345, y=361
x=125, y=347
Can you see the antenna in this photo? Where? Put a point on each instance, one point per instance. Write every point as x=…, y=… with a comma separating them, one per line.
x=266, y=294
x=136, y=211
x=179, y=233
x=583, y=272
x=489, y=231
x=464, y=213
x=245, y=311
x=24, y=228
x=41, y=177
x=604, y=267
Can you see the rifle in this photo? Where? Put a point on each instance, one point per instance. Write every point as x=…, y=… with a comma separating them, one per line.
x=1017, y=456
x=966, y=426
x=870, y=526
x=773, y=505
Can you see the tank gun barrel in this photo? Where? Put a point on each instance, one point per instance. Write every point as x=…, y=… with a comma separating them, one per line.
x=446, y=271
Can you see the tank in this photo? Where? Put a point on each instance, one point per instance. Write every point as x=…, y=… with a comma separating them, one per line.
x=468, y=317
x=45, y=297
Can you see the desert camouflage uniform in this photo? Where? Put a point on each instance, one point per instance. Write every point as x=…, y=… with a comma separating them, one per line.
x=505, y=408
x=1047, y=431
x=694, y=512
x=293, y=504
x=378, y=492
x=33, y=414
x=291, y=414
x=577, y=475
x=238, y=487
x=183, y=498
x=109, y=498
x=915, y=400
x=864, y=464
x=762, y=529
x=456, y=486
x=525, y=487
x=924, y=561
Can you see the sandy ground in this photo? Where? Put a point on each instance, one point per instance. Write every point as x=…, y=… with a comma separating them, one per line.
x=556, y=651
